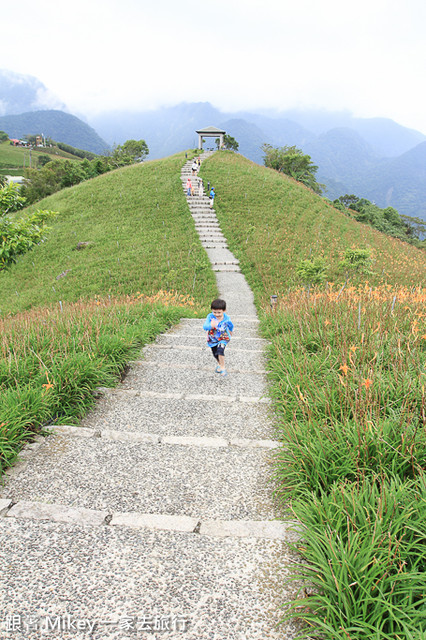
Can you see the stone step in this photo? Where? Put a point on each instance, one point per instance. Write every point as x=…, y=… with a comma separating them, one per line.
x=226, y=269
x=107, y=576
x=181, y=415
x=58, y=512
x=237, y=360
x=203, y=478
x=184, y=338
x=205, y=226
x=226, y=396
x=193, y=367
x=155, y=438
x=195, y=382
x=221, y=255
x=243, y=318
x=205, y=234
x=206, y=222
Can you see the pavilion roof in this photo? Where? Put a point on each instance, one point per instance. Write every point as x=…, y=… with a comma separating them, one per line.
x=210, y=130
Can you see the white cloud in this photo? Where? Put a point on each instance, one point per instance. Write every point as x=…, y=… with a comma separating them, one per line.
x=368, y=56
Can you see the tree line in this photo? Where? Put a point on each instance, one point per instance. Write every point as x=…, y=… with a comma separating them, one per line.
x=53, y=175
x=293, y=162
x=19, y=235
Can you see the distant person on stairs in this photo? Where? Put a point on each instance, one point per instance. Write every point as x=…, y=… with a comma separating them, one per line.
x=188, y=187
x=194, y=168
x=219, y=327
x=211, y=196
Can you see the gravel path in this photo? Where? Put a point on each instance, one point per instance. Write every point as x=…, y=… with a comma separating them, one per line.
x=154, y=519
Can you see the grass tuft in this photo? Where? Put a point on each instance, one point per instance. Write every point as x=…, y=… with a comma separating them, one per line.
x=51, y=361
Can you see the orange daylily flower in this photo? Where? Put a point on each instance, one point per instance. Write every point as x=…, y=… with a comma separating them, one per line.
x=344, y=368
x=367, y=383
x=49, y=385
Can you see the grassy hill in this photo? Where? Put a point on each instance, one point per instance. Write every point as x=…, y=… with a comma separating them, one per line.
x=347, y=369
x=272, y=222
x=14, y=160
x=140, y=234
x=72, y=318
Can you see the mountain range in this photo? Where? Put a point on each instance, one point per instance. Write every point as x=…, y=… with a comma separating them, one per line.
x=58, y=125
x=375, y=158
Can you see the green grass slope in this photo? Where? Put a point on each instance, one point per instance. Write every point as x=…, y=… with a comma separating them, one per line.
x=272, y=222
x=347, y=373
x=14, y=160
x=141, y=239
x=71, y=319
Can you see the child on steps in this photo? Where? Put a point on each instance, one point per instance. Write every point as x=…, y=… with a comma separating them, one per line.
x=219, y=327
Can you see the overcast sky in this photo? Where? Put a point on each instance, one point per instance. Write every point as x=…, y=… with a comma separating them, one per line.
x=366, y=56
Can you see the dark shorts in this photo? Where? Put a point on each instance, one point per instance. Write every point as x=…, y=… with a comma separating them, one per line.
x=218, y=350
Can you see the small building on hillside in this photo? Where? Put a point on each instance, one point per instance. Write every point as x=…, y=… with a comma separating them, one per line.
x=15, y=179
x=18, y=143
x=210, y=132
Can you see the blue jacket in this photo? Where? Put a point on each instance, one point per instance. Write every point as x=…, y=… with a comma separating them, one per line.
x=222, y=333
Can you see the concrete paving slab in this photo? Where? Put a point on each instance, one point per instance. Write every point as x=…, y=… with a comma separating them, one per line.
x=251, y=323
x=169, y=479
x=274, y=529
x=58, y=512
x=240, y=341
x=220, y=255
x=5, y=503
x=181, y=417
x=155, y=521
x=236, y=359
x=191, y=382
x=196, y=382
x=193, y=367
x=226, y=588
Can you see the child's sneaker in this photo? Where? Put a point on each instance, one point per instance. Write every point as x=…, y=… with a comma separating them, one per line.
x=218, y=369
x=223, y=373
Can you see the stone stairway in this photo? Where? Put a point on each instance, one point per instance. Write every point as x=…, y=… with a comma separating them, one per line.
x=154, y=518
x=207, y=225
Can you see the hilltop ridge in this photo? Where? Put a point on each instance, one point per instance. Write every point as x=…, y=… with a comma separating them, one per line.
x=134, y=217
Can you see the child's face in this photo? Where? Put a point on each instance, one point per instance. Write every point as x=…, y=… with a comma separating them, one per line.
x=218, y=314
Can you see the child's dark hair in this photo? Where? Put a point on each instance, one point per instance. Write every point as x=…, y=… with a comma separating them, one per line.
x=218, y=304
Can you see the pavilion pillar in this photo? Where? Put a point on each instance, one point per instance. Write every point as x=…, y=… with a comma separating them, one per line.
x=200, y=141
